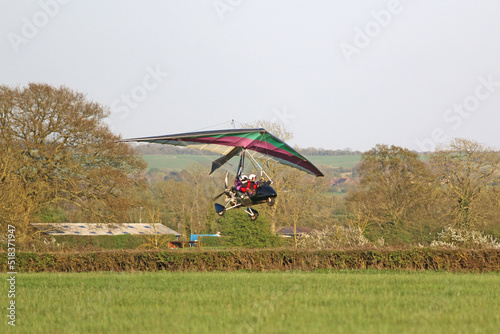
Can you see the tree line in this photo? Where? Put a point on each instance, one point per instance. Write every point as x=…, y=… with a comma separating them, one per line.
x=58, y=158
x=61, y=163
x=456, y=186
x=319, y=152
x=155, y=149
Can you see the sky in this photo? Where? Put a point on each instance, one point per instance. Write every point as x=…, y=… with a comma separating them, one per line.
x=337, y=74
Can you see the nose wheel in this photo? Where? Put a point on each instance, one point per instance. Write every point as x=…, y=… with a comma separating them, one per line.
x=252, y=213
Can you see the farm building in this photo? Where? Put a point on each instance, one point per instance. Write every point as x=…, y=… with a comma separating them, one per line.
x=288, y=231
x=104, y=229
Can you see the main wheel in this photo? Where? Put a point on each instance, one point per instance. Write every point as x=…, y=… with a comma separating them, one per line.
x=254, y=214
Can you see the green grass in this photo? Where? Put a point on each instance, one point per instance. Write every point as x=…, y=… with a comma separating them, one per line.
x=179, y=162
x=345, y=161
x=252, y=302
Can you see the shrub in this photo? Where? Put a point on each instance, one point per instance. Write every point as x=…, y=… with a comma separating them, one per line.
x=208, y=241
x=485, y=260
x=455, y=237
x=239, y=231
x=333, y=237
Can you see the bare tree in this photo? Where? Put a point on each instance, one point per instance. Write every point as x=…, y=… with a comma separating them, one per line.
x=465, y=169
x=394, y=186
x=276, y=129
x=56, y=149
x=187, y=203
x=300, y=195
x=275, y=170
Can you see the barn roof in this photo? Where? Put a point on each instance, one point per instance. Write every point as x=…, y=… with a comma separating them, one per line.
x=104, y=229
x=289, y=230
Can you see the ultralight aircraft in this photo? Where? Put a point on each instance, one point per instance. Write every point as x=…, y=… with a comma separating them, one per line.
x=254, y=144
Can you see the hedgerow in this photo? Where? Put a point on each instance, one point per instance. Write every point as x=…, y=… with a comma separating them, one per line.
x=258, y=260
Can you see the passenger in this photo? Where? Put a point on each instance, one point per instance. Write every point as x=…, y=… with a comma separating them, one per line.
x=241, y=182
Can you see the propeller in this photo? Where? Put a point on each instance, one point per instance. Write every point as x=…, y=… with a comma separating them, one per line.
x=216, y=197
x=226, y=187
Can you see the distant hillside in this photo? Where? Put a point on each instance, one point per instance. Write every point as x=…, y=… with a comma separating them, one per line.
x=321, y=152
x=182, y=161
x=155, y=149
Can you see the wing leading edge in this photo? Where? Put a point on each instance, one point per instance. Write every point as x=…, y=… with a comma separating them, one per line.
x=226, y=142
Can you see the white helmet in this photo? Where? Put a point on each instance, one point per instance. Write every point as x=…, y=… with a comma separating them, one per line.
x=252, y=177
x=244, y=178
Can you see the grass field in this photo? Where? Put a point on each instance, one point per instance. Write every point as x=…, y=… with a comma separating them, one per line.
x=345, y=161
x=254, y=302
x=178, y=162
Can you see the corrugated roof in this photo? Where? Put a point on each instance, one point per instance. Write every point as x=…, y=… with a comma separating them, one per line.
x=104, y=229
x=290, y=230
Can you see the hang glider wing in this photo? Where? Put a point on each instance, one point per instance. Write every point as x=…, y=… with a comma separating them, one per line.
x=229, y=143
x=225, y=158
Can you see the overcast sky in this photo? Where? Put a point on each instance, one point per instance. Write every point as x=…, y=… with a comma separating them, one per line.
x=338, y=74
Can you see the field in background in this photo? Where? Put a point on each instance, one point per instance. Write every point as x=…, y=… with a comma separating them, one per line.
x=255, y=302
x=344, y=161
x=179, y=162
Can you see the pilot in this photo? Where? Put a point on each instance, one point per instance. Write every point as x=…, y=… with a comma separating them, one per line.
x=251, y=185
